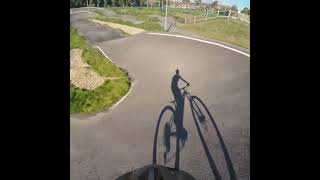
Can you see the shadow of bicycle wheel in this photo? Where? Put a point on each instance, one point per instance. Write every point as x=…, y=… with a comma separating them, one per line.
x=195, y=102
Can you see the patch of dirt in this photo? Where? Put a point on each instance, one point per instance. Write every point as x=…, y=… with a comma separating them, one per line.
x=127, y=29
x=81, y=74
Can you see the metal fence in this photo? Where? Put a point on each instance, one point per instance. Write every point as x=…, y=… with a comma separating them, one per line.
x=211, y=14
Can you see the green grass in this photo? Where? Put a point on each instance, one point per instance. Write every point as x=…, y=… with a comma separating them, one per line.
x=144, y=13
x=115, y=20
x=195, y=12
x=105, y=95
x=149, y=23
x=98, y=12
x=139, y=13
x=230, y=31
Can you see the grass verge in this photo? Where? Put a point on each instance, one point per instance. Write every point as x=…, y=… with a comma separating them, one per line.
x=149, y=23
x=105, y=95
x=142, y=14
x=230, y=31
x=98, y=12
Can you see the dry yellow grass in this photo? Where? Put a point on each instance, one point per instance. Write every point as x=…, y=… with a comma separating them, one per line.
x=127, y=29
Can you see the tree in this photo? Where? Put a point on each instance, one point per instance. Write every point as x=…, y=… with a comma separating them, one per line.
x=214, y=4
x=234, y=8
x=109, y=2
x=125, y=2
x=186, y=1
x=197, y=1
x=116, y=3
x=246, y=11
x=101, y=3
x=78, y=3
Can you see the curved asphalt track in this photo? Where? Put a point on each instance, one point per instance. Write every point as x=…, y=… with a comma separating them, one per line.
x=108, y=144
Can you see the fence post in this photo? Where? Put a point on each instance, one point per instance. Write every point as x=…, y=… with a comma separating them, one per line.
x=194, y=19
x=218, y=13
x=185, y=20
x=207, y=15
x=229, y=13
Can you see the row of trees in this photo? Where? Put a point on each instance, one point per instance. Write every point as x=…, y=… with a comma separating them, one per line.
x=246, y=11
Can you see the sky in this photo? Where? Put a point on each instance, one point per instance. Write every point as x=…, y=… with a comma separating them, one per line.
x=239, y=3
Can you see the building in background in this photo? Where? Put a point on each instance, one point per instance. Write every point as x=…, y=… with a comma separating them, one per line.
x=189, y=5
x=153, y=3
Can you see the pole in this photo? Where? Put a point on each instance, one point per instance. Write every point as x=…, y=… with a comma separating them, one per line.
x=88, y=6
x=165, y=20
x=161, y=5
x=207, y=15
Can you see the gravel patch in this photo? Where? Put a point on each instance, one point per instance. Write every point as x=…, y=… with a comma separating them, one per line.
x=81, y=75
x=127, y=29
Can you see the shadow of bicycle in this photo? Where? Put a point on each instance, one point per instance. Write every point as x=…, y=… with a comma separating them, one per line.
x=171, y=118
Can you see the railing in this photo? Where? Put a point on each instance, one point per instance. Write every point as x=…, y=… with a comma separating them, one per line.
x=217, y=14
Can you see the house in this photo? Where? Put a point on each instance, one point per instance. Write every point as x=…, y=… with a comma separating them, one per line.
x=190, y=5
x=185, y=5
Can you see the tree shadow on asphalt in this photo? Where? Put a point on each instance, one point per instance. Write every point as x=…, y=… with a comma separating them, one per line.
x=172, y=116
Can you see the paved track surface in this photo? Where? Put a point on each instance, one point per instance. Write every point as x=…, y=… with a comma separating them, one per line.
x=108, y=144
x=94, y=33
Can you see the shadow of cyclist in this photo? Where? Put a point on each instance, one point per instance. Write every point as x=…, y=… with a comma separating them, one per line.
x=181, y=133
x=178, y=97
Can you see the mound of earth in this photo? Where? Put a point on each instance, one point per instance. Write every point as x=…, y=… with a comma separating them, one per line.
x=81, y=75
